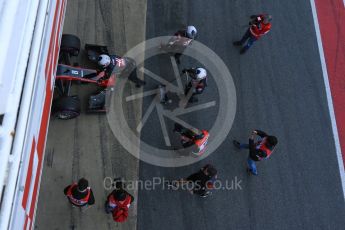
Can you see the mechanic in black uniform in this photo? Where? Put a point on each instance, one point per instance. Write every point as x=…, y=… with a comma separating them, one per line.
x=80, y=194
x=197, y=83
x=202, y=181
x=107, y=64
x=189, y=32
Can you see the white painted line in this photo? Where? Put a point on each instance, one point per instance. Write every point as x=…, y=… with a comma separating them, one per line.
x=181, y=122
x=163, y=126
x=182, y=111
x=170, y=87
x=329, y=96
x=141, y=95
x=146, y=115
x=184, y=100
x=177, y=74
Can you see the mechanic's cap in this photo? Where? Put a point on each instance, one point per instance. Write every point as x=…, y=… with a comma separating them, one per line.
x=82, y=184
x=103, y=60
x=191, y=32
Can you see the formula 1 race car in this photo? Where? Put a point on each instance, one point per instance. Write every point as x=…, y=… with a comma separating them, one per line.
x=66, y=106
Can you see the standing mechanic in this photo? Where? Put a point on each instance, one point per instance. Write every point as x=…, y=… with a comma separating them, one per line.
x=118, y=203
x=80, y=194
x=190, y=33
x=259, y=26
x=197, y=83
x=258, y=151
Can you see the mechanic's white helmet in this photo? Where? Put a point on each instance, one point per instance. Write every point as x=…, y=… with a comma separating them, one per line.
x=103, y=60
x=191, y=32
x=200, y=73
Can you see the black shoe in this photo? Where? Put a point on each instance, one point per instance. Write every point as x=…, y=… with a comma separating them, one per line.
x=237, y=43
x=236, y=144
x=243, y=51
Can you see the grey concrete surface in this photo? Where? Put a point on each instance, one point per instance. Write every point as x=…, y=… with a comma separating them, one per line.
x=85, y=146
x=280, y=90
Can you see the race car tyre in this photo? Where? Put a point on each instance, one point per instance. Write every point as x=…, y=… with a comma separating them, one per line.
x=67, y=107
x=70, y=44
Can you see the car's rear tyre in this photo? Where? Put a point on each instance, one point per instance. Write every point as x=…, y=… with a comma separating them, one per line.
x=70, y=44
x=67, y=107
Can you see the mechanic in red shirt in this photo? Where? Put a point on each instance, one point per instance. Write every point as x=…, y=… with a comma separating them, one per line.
x=259, y=26
x=258, y=150
x=80, y=194
x=118, y=202
x=118, y=195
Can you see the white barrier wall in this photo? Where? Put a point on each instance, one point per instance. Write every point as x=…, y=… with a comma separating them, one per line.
x=30, y=34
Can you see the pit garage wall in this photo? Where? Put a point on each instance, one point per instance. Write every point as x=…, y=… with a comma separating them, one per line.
x=33, y=118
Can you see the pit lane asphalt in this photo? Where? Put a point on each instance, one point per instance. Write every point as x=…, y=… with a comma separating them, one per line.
x=280, y=89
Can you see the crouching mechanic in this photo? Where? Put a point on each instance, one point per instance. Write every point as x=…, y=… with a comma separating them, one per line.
x=197, y=83
x=107, y=63
x=197, y=140
x=80, y=194
x=118, y=203
x=199, y=183
x=259, y=150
